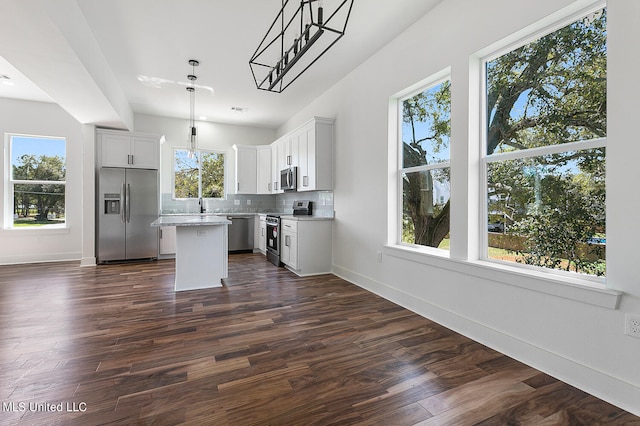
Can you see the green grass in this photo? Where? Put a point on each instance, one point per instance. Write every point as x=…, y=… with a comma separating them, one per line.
x=31, y=222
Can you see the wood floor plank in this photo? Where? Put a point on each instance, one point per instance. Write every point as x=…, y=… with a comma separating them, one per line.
x=269, y=348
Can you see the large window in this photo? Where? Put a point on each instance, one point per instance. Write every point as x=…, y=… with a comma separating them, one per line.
x=198, y=175
x=37, y=181
x=544, y=168
x=424, y=172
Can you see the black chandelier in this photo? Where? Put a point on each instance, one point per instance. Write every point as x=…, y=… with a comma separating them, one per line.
x=296, y=39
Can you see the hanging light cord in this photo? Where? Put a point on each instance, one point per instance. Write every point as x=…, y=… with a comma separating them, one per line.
x=192, y=116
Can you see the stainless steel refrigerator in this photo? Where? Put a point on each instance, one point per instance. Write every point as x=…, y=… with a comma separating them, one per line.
x=127, y=204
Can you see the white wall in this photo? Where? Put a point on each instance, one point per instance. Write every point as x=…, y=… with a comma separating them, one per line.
x=213, y=136
x=567, y=334
x=33, y=245
x=77, y=242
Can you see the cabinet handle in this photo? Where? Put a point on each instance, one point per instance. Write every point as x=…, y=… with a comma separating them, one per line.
x=269, y=187
x=238, y=186
x=123, y=200
x=286, y=240
x=288, y=160
x=160, y=233
x=132, y=159
x=305, y=180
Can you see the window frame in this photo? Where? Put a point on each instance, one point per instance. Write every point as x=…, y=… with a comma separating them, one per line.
x=486, y=159
x=464, y=258
x=10, y=183
x=173, y=173
x=429, y=83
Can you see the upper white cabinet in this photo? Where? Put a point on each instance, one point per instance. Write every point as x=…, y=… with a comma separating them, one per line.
x=310, y=149
x=277, y=160
x=256, y=169
x=126, y=149
x=315, y=155
x=265, y=185
x=244, y=170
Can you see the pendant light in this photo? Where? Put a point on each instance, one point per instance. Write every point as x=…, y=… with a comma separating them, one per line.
x=300, y=34
x=193, y=137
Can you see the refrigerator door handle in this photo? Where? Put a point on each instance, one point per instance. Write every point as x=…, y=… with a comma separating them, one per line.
x=128, y=203
x=122, y=201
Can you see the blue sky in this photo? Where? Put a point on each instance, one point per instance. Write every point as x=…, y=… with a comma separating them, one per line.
x=37, y=146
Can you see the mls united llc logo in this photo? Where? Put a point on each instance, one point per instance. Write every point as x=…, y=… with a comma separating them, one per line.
x=44, y=407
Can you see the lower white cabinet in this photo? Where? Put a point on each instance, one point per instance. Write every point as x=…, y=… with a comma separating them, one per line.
x=167, y=240
x=306, y=246
x=260, y=234
x=289, y=243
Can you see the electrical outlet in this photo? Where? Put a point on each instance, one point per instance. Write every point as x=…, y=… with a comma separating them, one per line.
x=632, y=325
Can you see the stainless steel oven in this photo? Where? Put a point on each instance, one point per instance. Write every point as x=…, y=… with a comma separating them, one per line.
x=273, y=239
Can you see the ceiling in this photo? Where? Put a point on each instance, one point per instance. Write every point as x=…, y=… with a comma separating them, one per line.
x=104, y=60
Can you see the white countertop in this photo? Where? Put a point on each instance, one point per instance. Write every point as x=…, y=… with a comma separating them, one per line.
x=303, y=217
x=191, y=220
x=224, y=215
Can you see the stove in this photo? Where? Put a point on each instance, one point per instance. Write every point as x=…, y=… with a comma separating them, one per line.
x=273, y=239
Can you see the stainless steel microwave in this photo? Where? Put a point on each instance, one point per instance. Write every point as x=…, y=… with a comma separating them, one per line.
x=289, y=179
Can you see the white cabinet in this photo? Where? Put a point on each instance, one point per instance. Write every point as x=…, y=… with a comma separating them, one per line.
x=167, y=240
x=264, y=169
x=125, y=149
x=244, y=170
x=315, y=155
x=260, y=234
x=310, y=148
x=289, y=243
x=282, y=158
x=306, y=246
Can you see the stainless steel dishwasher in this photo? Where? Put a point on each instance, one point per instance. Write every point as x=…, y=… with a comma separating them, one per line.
x=240, y=234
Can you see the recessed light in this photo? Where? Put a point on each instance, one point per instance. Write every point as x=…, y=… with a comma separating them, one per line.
x=202, y=117
x=6, y=80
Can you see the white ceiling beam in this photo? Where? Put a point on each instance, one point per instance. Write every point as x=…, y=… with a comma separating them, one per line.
x=52, y=45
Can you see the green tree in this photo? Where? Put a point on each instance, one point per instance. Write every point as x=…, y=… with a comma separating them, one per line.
x=426, y=117
x=562, y=79
x=46, y=197
x=186, y=175
x=550, y=91
x=205, y=169
x=212, y=175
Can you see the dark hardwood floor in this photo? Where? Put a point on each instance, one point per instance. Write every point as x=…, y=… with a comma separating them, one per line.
x=115, y=345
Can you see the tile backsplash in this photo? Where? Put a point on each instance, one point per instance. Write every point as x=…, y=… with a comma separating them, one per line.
x=322, y=203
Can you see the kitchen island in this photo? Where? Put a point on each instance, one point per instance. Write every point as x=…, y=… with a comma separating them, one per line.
x=201, y=249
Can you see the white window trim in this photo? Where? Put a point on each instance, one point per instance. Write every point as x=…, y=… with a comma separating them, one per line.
x=397, y=100
x=9, y=182
x=173, y=174
x=575, y=287
x=485, y=159
x=546, y=282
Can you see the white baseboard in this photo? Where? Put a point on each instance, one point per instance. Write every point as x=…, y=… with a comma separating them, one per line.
x=40, y=258
x=88, y=261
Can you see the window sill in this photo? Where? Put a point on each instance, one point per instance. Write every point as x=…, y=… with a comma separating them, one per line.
x=572, y=288
x=57, y=230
